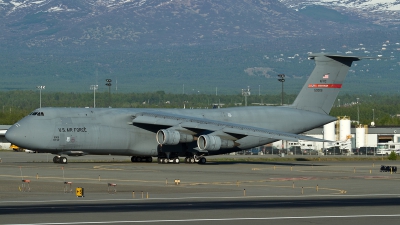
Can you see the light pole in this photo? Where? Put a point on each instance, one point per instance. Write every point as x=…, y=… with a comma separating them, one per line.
x=246, y=93
x=281, y=79
x=94, y=88
x=339, y=102
x=108, y=83
x=373, y=118
x=358, y=113
x=40, y=95
x=373, y=115
x=323, y=143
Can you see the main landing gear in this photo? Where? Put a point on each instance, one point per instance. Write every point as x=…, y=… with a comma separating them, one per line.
x=176, y=160
x=165, y=160
x=196, y=159
x=60, y=159
x=141, y=159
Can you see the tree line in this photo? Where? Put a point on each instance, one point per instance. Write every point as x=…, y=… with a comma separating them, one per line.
x=382, y=109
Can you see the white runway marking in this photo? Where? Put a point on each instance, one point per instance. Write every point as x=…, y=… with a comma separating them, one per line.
x=221, y=219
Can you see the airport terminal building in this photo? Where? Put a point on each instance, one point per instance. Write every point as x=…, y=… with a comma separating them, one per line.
x=362, y=136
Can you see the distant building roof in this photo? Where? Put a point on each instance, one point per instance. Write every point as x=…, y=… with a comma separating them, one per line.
x=371, y=130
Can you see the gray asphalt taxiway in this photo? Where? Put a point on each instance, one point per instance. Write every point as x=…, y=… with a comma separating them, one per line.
x=116, y=191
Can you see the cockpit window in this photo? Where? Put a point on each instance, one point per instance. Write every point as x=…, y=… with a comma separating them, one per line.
x=37, y=114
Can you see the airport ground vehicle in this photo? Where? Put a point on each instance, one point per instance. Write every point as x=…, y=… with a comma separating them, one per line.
x=313, y=152
x=273, y=150
x=365, y=151
x=336, y=150
x=387, y=148
x=29, y=151
x=295, y=150
x=16, y=148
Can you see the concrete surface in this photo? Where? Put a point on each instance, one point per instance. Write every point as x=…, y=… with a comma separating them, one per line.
x=216, y=193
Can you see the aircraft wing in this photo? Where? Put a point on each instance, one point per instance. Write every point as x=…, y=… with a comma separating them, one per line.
x=199, y=125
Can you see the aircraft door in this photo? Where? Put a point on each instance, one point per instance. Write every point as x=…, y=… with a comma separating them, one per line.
x=62, y=141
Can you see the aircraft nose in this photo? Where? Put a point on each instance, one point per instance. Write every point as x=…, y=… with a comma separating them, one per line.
x=11, y=135
x=16, y=135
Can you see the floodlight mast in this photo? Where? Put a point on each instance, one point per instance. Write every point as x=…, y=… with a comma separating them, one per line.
x=94, y=88
x=246, y=93
x=40, y=94
x=108, y=83
x=282, y=80
x=358, y=113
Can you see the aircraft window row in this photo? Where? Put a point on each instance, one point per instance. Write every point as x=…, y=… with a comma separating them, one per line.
x=37, y=114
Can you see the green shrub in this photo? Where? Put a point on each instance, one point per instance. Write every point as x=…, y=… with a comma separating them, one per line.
x=392, y=156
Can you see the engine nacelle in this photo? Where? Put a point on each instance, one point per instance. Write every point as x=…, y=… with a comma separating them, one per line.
x=172, y=137
x=210, y=143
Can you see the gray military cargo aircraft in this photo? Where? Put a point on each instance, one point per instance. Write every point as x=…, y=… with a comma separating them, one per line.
x=191, y=133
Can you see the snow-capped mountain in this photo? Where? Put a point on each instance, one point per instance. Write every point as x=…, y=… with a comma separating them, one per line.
x=148, y=42
x=183, y=22
x=380, y=12
x=368, y=5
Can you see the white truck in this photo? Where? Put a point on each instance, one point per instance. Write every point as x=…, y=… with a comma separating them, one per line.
x=387, y=148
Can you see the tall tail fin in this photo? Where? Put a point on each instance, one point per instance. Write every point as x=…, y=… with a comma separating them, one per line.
x=322, y=87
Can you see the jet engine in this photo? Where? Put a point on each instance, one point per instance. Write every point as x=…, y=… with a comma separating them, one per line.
x=210, y=142
x=172, y=137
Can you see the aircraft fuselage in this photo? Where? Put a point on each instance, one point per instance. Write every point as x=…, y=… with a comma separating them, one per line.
x=110, y=131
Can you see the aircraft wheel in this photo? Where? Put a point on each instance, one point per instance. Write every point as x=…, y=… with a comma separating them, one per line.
x=176, y=160
x=133, y=159
x=63, y=160
x=192, y=160
x=202, y=160
x=149, y=159
x=56, y=159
